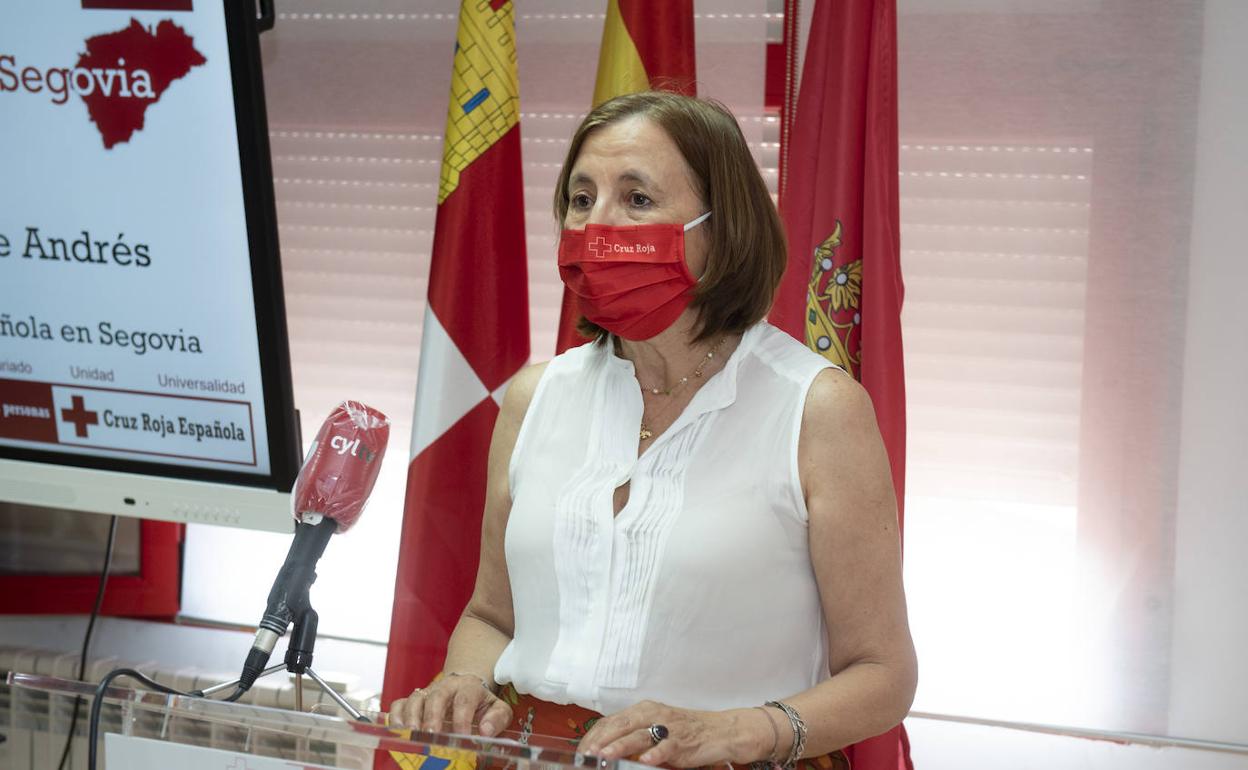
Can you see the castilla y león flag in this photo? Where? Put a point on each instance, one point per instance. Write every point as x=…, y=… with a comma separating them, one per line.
x=646, y=44
x=842, y=291
x=475, y=337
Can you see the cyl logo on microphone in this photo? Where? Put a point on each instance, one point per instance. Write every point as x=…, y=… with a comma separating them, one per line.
x=342, y=445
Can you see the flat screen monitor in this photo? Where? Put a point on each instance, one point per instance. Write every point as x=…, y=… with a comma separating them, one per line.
x=144, y=365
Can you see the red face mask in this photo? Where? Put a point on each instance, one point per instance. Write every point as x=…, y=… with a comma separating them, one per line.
x=630, y=280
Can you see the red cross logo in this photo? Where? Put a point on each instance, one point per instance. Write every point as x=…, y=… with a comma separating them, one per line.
x=600, y=247
x=80, y=417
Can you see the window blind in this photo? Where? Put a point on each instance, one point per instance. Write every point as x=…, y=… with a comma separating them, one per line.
x=995, y=256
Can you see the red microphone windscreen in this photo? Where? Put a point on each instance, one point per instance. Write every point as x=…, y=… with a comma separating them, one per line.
x=340, y=472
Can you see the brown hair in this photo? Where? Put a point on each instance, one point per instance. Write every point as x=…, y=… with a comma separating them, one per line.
x=747, y=253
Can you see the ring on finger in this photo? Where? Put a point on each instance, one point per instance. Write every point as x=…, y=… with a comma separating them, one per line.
x=657, y=733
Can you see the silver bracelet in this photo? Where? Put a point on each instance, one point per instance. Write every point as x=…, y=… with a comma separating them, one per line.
x=799, y=732
x=775, y=738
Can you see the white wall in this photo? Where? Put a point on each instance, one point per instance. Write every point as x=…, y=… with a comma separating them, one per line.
x=1209, y=658
x=949, y=746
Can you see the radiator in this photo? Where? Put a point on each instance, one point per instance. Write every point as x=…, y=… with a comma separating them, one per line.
x=34, y=724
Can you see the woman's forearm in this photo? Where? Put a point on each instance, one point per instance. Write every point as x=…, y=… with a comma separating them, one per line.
x=861, y=701
x=474, y=647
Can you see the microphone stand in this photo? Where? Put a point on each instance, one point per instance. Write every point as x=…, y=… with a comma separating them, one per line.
x=289, y=604
x=299, y=652
x=299, y=662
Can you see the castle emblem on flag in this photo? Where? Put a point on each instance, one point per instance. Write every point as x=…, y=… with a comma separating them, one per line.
x=485, y=92
x=833, y=305
x=473, y=340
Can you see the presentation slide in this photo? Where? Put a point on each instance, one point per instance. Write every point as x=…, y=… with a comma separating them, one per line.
x=127, y=318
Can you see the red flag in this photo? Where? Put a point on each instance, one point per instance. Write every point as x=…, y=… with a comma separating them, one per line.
x=644, y=45
x=842, y=291
x=475, y=337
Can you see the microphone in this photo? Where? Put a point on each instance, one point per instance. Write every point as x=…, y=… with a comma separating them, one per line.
x=329, y=495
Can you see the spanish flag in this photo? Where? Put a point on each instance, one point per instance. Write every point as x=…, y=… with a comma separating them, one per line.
x=475, y=337
x=646, y=44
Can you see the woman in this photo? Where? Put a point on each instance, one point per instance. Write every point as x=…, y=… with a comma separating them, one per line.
x=690, y=524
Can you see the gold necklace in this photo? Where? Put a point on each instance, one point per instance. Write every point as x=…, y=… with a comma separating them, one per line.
x=696, y=373
x=645, y=433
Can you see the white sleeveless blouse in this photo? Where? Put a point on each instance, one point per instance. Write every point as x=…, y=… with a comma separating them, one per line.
x=700, y=593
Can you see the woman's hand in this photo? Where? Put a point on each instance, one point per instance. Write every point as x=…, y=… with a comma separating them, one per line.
x=694, y=738
x=465, y=695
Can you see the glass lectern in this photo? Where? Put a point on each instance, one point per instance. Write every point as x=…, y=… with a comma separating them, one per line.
x=141, y=730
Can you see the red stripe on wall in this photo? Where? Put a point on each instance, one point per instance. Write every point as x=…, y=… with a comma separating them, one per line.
x=153, y=593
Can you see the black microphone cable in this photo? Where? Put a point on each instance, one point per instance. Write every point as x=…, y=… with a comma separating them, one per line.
x=94, y=718
x=86, y=641
x=93, y=721
x=97, y=702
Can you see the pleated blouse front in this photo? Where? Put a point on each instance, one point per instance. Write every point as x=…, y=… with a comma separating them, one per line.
x=700, y=593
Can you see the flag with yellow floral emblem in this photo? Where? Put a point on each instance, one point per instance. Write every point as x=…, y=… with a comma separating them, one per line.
x=842, y=291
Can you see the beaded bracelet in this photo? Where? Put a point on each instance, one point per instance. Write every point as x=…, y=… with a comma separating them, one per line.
x=799, y=732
